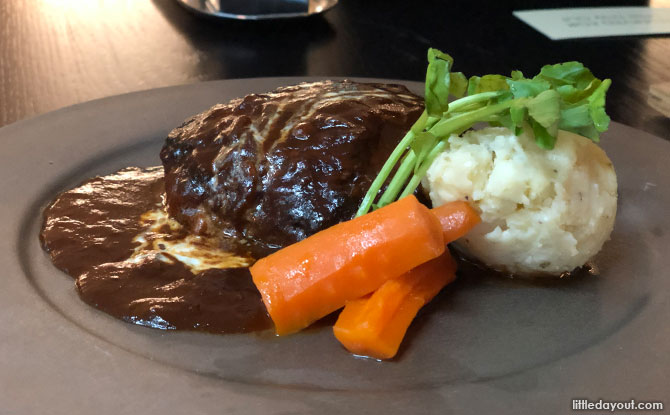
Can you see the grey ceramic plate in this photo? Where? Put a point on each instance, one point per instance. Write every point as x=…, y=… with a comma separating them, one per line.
x=483, y=346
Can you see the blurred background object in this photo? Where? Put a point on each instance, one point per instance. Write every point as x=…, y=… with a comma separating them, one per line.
x=659, y=98
x=55, y=53
x=258, y=9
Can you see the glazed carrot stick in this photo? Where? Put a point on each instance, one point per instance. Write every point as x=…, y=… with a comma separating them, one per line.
x=375, y=325
x=457, y=218
x=314, y=277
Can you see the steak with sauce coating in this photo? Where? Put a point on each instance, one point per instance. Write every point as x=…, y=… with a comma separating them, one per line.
x=271, y=169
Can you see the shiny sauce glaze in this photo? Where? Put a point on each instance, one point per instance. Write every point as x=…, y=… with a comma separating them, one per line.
x=132, y=261
x=272, y=169
x=170, y=247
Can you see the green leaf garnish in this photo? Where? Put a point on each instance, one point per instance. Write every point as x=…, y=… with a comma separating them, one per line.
x=543, y=137
x=565, y=96
x=422, y=145
x=487, y=83
x=438, y=82
x=597, y=106
x=459, y=84
x=527, y=87
x=545, y=109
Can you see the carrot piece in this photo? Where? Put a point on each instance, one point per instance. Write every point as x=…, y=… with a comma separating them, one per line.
x=375, y=325
x=456, y=218
x=307, y=280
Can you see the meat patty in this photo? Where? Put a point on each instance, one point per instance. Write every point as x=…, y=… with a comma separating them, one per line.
x=271, y=169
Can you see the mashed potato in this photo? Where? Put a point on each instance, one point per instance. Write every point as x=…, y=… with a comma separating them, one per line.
x=543, y=212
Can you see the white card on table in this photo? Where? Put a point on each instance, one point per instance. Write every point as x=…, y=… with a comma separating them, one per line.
x=584, y=22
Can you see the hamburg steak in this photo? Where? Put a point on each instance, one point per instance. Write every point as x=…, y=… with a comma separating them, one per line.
x=268, y=170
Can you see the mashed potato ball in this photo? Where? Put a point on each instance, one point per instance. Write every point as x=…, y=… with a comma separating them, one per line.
x=543, y=212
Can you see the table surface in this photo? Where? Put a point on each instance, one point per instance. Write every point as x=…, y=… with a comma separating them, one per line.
x=58, y=53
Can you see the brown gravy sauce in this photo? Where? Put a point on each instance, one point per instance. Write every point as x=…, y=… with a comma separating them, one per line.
x=130, y=260
x=129, y=264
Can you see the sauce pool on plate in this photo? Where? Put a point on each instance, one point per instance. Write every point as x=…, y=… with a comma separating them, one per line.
x=131, y=261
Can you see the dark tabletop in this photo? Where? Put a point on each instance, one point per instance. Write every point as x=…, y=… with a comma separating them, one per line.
x=58, y=53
